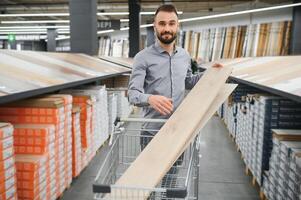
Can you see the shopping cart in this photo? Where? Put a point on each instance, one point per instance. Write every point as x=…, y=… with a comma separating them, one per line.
x=180, y=183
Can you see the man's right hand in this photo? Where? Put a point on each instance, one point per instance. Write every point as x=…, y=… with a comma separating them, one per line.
x=161, y=104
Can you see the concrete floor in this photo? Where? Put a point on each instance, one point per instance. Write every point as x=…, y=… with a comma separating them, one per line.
x=221, y=170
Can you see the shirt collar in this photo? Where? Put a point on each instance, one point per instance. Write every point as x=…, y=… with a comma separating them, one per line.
x=161, y=50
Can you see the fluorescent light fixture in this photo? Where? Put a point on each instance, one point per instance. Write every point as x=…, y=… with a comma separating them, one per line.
x=240, y=12
x=22, y=30
x=127, y=13
x=141, y=26
x=226, y=14
x=30, y=32
x=63, y=38
x=23, y=33
x=112, y=13
x=35, y=22
x=35, y=15
x=124, y=20
x=125, y=28
x=152, y=13
x=32, y=27
x=106, y=31
x=146, y=25
x=67, y=14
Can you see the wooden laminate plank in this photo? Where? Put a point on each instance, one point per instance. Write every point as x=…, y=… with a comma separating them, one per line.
x=88, y=62
x=168, y=144
x=220, y=98
x=23, y=55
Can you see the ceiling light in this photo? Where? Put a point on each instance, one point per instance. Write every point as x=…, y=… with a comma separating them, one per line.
x=63, y=38
x=67, y=14
x=124, y=29
x=32, y=27
x=35, y=22
x=124, y=20
x=35, y=15
x=106, y=31
x=240, y=12
x=112, y=13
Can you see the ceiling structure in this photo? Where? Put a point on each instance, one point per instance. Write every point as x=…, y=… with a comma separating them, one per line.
x=190, y=8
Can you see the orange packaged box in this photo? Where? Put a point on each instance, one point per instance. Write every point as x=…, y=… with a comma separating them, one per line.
x=6, y=130
x=65, y=97
x=11, y=171
x=30, y=162
x=6, y=143
x=34, y=130
x=6, y=153
x=6, y=184
x=28, y=194
x=36, y=150
x=28, y=185
x=32, y=141
x=29, y=111
x=8, y=194
x=39, y=119
x=7, y=163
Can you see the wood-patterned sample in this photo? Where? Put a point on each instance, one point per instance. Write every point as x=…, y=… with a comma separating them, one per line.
x=168, y=144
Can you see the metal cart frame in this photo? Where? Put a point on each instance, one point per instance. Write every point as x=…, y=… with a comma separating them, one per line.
x=181, y=182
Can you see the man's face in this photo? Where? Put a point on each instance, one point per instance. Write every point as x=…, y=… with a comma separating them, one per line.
x=166, y=26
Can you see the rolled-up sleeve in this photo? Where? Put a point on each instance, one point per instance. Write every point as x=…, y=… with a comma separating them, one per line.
x=136, y=93
x=191, y=79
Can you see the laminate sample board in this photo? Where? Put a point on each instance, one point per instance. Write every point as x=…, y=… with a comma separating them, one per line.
x=25, y=71
x=277, y=74
x=176, y=134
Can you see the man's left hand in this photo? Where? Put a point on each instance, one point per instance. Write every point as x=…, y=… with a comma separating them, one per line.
x=217, y=65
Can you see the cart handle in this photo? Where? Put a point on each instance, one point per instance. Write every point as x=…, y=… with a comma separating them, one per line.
x=139, y=120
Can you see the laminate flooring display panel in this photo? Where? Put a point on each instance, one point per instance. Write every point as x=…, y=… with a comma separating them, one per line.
x=22, y=71
x=127, y=62
x=172, y=139
x=282, y=73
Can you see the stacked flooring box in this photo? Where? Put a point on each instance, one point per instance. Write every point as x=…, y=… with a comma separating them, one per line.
x=97, y=96
x=33, y=119
x=283, y=179
x=8, y=182
x=254, y=120
x=76, y=142
x=123, y=106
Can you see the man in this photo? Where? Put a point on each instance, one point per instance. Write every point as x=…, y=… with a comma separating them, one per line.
x=160, y=75
x=161, y=72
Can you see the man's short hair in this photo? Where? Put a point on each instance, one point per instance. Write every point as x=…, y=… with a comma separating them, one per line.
x=166, y=8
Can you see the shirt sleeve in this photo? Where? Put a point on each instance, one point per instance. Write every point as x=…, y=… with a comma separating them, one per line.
x=136, y=93
x=191, y=79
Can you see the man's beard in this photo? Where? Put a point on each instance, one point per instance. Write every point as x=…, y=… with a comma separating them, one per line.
x=167, y=41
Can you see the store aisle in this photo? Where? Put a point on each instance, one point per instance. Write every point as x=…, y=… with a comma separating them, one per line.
x=222, y=174
x=221, y=169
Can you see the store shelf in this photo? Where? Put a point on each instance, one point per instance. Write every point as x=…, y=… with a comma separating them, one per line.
x=278, y=75
x=27, y=73
x=125, y=62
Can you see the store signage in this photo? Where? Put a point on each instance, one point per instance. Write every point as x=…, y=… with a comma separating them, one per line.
x=28, y=37
x=108, y=24
x=11, y=37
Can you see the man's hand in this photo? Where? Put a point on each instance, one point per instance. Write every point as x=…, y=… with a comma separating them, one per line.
x=217, y=65
x=161, y=104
